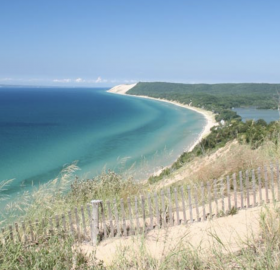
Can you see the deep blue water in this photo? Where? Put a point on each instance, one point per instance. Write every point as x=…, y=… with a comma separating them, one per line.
x=43, y=129
x=255, y=114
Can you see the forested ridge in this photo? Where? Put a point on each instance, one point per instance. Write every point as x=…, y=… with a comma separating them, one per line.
x=260, y=95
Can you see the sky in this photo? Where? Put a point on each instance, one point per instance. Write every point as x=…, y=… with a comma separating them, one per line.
x=101, y=43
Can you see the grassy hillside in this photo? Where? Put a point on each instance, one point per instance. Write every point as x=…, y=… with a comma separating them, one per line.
x=213, y=96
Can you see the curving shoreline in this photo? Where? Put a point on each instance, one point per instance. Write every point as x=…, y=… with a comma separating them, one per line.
x=209, y=116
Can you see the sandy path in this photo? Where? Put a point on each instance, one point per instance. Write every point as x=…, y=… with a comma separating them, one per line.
x=233, y=231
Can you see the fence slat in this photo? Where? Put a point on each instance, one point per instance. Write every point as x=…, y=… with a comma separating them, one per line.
x=84, y=221
x=117, y=218
x=184, y=205
x=17, y=231
x=170, y=207
x=57, y=222
x=123, y=219
x=11, y=233
x=177, y=206
x=196, y=204
x=89, y=220
x=143, y=212
x=260, y=186
x=137, y=215
x=110, y=219
x=228, y=194
x=44, y=225
x=131, y=226
x=254, y=188
x=31, y=231
x=272, y=181
x=37, y=229
x=247, y=189
x=278, y=180
x=203, y=202
x=63, y=222
x=216, y=199
x=157, y=210
x=163, y=208
x=77, y=223
x=241, y=189
x=235, y=191
x=209, y=200
x=71, y=222
x=190, y=204
x=102, y=207
x=24, y=231
x=4, y=238
x=223, y=196
x=151, y=226
x=266, y=184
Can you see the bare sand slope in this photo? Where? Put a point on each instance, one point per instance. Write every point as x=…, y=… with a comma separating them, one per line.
x=121, y=89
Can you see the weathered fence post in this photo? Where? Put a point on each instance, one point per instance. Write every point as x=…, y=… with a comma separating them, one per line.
x=95, y=221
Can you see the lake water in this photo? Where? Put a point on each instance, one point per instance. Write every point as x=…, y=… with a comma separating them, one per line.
x=254, y=114
x=42, y=129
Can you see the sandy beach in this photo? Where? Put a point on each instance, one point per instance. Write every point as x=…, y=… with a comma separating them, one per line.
x=209, y=116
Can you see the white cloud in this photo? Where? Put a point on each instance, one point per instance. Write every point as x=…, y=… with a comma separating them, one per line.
x=5, y=79
x=80, y=80
x=98, y=80
x=62, y=80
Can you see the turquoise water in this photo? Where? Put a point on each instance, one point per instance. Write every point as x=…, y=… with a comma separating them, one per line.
x=255, y=114
x=43, y=129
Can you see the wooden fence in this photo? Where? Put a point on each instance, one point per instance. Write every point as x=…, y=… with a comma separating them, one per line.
x=167, y=207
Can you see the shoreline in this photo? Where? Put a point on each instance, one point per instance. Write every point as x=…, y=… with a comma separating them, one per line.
x=209, y=116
